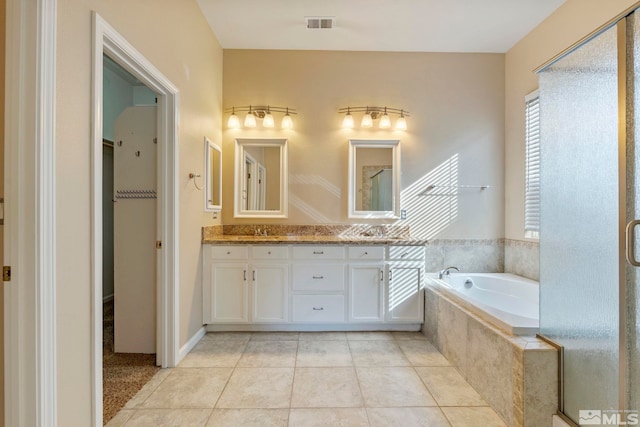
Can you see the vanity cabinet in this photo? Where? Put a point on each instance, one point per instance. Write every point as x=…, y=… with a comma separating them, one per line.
x=226, y=293
x=405, y=284
x=339, y=286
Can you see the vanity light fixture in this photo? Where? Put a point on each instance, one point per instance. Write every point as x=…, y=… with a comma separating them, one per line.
x=263, y=112
x=374, y=113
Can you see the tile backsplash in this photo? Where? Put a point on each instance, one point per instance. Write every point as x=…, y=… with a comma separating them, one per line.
x=522, y=258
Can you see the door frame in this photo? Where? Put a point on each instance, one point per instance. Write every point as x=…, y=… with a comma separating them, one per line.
x=106, y=40
x=30, y=214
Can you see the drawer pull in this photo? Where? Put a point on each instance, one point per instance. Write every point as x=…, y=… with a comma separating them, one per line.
x=254, y=275
x=269, y=252
x=404, y=254
x=245, y=275
x=389, y=275
x=318, y=252
x=381, y=275
x=366, y=253
x=228, y=252
x=318, y=277
x=318, y=308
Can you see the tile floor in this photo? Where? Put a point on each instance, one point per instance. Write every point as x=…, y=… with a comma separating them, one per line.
x=309, y=379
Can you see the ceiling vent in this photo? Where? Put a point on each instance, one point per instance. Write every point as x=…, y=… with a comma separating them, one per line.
x=320, y=22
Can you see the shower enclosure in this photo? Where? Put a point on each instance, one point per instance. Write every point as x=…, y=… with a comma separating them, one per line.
x=381, y=185
x=590, y=188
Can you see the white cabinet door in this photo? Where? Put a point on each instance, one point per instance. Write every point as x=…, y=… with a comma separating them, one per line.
x=404, y=295
x=226, y=293
x=366, y=293
x=270, y=293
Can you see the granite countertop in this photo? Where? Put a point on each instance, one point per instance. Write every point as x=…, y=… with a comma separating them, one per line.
x=310, y=240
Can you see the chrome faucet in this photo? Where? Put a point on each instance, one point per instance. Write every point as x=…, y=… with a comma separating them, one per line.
x=446, y=272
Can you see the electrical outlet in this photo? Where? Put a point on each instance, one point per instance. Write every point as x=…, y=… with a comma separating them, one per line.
x=403, y=214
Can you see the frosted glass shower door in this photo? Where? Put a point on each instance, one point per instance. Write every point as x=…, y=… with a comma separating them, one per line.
x=579, y=239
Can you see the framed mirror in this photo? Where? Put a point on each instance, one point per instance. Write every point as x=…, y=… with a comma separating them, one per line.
x=260, y=178
x=374, y=178
x=212, y=176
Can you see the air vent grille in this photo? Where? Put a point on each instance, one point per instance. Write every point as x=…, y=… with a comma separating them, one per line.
x=320, y=22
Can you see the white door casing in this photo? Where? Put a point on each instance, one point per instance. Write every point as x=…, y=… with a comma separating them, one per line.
x=106, y=40
x=30, y=220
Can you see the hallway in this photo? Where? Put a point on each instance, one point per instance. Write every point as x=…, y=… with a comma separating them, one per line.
x=309, y=379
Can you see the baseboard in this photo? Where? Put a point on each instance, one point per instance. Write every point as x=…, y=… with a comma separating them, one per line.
x=185, y=349
x=107, y=298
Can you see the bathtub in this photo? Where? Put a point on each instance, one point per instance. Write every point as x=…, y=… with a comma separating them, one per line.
x=510, y=301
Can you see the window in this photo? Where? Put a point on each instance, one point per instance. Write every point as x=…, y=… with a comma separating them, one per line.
x=532, y=166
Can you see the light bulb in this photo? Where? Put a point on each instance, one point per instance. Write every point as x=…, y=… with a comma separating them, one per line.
x=268, y=121
x=401, y=123
x=367, y=121
x=287, y=123
x=348, y=121
x=250, y=120
x=385, y=121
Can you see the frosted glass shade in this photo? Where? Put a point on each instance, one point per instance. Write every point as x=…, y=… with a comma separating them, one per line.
x=234, y=122
x=268, y=121
x=287, y=123
x=250, y=120
x=385, y=121
x=401, y=123
x=348, y=121
x=367, y=121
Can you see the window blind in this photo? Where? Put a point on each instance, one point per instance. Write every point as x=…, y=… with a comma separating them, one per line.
x=532, y=165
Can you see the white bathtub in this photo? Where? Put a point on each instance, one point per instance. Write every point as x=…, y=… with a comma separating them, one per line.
x=511, y=301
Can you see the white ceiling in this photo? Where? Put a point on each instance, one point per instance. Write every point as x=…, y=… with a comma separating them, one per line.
x=377, y=25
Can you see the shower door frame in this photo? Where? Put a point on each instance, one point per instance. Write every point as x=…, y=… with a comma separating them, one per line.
x=620, y=21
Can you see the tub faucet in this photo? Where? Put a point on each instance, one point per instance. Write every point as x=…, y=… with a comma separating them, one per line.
x=446, y=272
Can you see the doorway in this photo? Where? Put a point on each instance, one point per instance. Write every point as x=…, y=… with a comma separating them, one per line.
x=107, y=41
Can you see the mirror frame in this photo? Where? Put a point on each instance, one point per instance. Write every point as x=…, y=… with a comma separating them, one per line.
x=394, y=144
x=209, y=146
x=238, y=211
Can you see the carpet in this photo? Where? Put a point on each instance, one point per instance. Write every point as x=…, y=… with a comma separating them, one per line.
x=123, y=374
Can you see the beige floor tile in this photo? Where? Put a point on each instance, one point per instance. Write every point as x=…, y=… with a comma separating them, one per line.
x=269, y=354
x=214, y=354
x=258, y=388
x=393, y=387
x=407, y=417
x=473, y=417
x=407, y=335
x=189, y=388
x=148, y=388
x=120, y=418
x=369, y=336
x=227, y=336
x=275, y=336
x=449, y=388
x=323, y=353
x=249, y=418
x=326, y=388
x=422, y=353
x=169, y=418
x=323, y=336
x=377, y=353
x=335, y=417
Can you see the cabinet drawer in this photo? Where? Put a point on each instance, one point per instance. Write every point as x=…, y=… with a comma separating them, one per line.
x=406, y=252
x=318, y=252
x=318, y=308
x=318, y=277
x=366, y=253
x=270, y=252
x=229, y=252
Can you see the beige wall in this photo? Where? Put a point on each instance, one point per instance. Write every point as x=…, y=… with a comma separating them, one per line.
x=457, y=109
x=175, y=37
x=572, y=21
